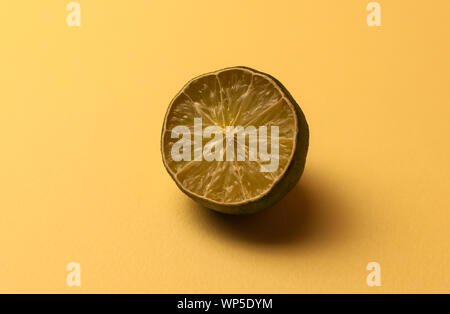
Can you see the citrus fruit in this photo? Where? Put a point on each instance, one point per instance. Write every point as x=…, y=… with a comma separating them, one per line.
x=235, y=140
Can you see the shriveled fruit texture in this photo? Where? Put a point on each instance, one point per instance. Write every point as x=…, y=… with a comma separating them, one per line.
x=228, y=99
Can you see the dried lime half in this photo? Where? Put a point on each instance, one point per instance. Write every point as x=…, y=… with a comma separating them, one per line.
x=235, y=140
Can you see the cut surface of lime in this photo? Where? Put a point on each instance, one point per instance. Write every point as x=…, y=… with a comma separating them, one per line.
x=254, y=132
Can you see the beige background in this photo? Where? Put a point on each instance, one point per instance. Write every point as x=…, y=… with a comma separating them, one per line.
x=81, y=177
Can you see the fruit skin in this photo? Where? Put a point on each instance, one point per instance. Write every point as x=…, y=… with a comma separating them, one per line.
x=280, y=189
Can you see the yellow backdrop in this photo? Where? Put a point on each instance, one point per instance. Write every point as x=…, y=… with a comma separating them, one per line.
x=81, y=177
